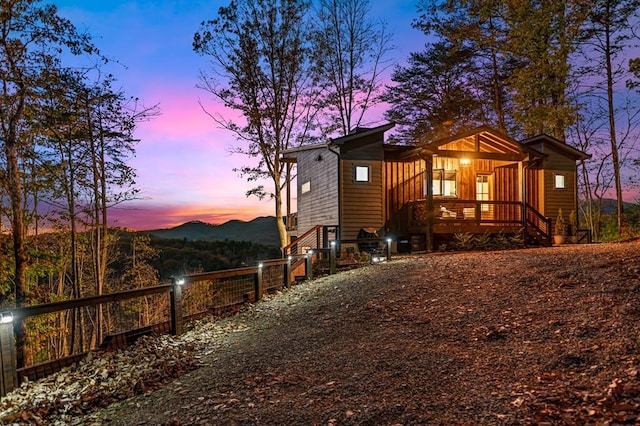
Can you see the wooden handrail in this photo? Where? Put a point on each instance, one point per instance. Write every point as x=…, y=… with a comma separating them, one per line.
x=47, y=308
x=287, y=249
x=540, y=219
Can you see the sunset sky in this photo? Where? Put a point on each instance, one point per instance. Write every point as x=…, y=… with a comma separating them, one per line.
x=183, y=166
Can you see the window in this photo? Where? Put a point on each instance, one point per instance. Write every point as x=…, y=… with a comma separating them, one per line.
x=306, y=187
x=559, y=182
x=482, y=190
x=362, y=173
x=445, y=183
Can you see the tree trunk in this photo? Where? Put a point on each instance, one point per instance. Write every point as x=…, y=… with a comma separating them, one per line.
x=612, y=122
x=282, y=229
x=17, y=224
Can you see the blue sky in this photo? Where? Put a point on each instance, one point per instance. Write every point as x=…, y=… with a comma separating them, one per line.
x=183, y=166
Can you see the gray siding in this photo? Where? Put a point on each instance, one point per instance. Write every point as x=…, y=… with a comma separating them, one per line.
x=319, y=206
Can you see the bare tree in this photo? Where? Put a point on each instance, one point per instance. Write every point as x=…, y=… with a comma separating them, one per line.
x=607, y=36
x=258, y=51
x=349, y=57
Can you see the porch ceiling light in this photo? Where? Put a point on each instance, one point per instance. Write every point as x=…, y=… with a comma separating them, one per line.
x=465, y=161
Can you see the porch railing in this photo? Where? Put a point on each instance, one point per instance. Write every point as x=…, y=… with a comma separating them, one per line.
x=469, y=212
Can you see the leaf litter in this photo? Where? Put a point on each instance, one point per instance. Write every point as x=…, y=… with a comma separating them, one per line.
x=539, y=336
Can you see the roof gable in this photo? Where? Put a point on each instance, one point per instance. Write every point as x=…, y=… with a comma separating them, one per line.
x=539, y=142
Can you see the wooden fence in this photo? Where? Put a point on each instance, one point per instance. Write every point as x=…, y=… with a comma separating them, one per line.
x=185, y=298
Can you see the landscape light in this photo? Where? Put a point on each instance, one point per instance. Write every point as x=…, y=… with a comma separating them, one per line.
x=6, y=317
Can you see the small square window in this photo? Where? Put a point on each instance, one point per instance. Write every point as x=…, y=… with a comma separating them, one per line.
x=559, y=182
x=362, y=173
x=306, y=187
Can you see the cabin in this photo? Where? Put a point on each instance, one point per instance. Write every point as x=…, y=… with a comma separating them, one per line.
x=479, y=181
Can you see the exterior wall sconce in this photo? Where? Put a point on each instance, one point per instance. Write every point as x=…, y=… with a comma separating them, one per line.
x=465, y=161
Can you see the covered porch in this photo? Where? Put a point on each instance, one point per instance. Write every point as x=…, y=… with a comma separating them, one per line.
x=478, y=182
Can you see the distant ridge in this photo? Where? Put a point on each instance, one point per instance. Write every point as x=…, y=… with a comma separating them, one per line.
x=261, y=230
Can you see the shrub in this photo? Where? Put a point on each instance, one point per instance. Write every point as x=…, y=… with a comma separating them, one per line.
x=463, y=241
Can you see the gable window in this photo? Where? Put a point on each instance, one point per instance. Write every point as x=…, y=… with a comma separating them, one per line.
x=559, y=182
x=362, y=173
x=306, y=187
x=445, y=183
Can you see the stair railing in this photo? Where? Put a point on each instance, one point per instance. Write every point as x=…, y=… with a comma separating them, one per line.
x=540, y=224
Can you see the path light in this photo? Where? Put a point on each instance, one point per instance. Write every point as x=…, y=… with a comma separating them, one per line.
x=6, y=317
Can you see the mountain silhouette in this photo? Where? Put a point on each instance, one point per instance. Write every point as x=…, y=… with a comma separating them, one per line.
x=261, y=230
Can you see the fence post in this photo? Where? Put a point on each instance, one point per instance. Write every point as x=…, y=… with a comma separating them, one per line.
x=332, y=258
x=308, y=265
x=257, y=283
x=287, y=273
x=176, y=306
x=388, y=249
x=7, y=354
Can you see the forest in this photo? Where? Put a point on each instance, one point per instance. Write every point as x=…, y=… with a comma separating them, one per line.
x=567, y=68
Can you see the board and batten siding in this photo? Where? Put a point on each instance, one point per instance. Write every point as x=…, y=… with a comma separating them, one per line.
x=362, y=202
x=405, y=182
x=319, y=206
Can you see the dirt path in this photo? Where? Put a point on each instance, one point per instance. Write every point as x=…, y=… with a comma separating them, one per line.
x=514, y=337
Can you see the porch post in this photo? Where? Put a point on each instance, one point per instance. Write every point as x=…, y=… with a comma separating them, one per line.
x=429, y=190
x=521, y=194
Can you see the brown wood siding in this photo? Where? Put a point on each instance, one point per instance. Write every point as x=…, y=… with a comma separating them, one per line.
x=319, y=206
x=533, y=192
x=404, y=182
x=506, y=189
x=554, y=199
x=362, y=202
